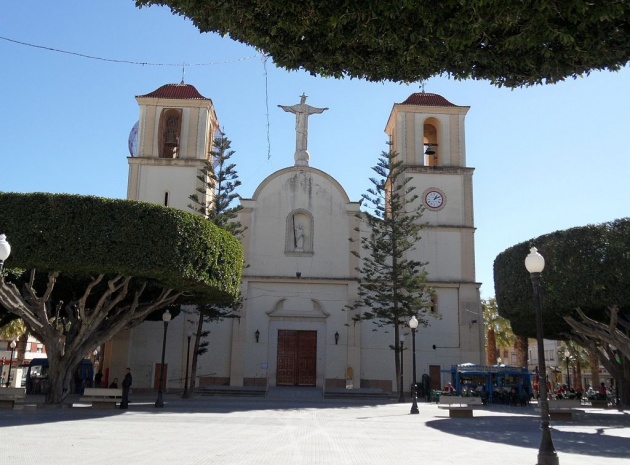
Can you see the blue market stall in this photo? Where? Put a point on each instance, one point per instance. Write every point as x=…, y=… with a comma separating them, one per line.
x=493, y=383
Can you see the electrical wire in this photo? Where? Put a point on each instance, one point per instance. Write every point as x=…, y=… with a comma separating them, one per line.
x=127, y=62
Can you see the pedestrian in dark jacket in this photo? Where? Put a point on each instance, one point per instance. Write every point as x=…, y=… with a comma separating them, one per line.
x=126, y=384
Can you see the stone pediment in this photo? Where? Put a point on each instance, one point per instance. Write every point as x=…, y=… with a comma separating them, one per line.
x=295, y=308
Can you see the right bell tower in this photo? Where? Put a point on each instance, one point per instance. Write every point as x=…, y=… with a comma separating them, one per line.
x=428, y=133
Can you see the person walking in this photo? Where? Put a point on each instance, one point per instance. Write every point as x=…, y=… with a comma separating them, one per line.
x=126, y=384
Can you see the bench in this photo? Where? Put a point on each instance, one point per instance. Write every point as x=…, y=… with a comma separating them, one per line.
x=102, y=397
x=562, y=409
x=458, y=406
x=9, y=395
x=597, y=403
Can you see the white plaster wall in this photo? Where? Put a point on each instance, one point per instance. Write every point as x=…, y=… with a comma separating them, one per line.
x=440, y=248
x=287, y=191
x=216, y=362
x=179, y=183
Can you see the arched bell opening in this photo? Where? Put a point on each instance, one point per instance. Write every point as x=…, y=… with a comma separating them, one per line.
x=430, y=141
x=170, y=131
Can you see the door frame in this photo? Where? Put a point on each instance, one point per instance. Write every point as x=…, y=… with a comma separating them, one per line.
x=297, y=355
x=291, y=324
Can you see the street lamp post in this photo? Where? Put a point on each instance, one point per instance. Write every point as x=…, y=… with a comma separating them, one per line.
x=401, y=397
x=10, y=363
x=5, y=251
x=413, y=324
x=185, y=394
x=166, y=317
x=567, y=356
x=535, y=263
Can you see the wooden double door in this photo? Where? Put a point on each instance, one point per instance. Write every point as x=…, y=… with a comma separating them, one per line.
x=297, y=356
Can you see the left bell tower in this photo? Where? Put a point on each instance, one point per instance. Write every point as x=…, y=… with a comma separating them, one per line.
x=170, y=143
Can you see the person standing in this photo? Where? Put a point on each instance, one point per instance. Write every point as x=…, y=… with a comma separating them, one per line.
x=126, y=384
x=98, y=379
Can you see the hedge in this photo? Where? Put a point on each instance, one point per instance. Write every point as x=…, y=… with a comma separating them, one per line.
x=87, y=235
x=586, y=267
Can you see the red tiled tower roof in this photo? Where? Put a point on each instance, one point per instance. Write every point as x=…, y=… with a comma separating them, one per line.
x=428, y=100
x=176, y=91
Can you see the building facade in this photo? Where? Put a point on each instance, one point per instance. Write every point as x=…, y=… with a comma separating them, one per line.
x=301, y=273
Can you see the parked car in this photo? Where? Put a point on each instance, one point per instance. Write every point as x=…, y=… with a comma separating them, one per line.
x=37, y=381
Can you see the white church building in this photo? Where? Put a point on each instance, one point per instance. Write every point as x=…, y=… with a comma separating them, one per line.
x=301, y=272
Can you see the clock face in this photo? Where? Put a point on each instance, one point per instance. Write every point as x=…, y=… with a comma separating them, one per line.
x=434, y=199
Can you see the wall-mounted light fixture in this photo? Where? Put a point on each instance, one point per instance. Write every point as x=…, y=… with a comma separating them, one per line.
x=257, y=336
x=336, y=338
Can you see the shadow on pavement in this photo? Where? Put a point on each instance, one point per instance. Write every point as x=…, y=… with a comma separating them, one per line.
x=589, y=433
x=34, y=411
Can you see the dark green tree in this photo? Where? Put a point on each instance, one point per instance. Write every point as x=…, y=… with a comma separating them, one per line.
x=510, y=44
x=219, y=181
x=86, y=268
x=215, y=200
x=392, y=286
x=586, y=291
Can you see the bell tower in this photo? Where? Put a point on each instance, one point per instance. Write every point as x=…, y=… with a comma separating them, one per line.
x=427, y=132
x=171, y=142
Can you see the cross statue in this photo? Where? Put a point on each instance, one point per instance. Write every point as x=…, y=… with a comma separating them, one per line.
x=302, y=111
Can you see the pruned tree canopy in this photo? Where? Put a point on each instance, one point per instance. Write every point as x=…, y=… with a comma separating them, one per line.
x=510, y=44
x=586, y=268
x=82, y=236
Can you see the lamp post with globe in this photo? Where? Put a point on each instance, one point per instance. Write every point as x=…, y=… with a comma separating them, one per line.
x=12, y=345
x=166, y=317
x=567, y=356
x=535, y=263
x=413, y=324
x=5, y=251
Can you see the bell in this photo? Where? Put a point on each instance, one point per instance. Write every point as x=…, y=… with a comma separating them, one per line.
x=171, y=138
x=430, y=150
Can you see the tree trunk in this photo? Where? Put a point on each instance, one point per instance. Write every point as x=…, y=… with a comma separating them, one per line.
x=577, y=375
x=521, y=346
x=593, y=361
x=397, y=355
x=492, y=348
x=60, y=372
x=195, y=356
x=21, y=348
x=624, y=383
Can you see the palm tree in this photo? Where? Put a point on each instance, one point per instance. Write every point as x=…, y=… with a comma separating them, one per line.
x=578, y=357
x=498, y=330
x=16, y=331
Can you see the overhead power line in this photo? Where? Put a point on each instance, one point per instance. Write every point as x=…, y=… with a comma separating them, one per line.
x=128, y=62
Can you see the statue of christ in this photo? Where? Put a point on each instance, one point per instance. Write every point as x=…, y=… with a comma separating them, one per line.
x=302, y=111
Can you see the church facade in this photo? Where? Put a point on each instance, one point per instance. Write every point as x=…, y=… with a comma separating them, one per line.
x=301, y=273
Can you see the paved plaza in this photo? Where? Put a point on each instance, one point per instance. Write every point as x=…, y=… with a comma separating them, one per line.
x=261, y=431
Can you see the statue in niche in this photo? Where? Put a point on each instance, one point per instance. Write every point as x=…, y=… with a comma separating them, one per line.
x=298, y=232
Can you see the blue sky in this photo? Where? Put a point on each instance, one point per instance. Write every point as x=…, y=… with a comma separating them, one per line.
x=545, y=158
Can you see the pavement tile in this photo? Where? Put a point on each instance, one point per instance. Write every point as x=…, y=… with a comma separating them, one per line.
x=259, y=431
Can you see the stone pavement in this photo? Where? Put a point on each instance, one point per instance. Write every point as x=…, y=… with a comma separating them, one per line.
x=208, y=430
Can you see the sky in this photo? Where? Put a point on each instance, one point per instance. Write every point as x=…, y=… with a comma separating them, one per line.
x=546, y=158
